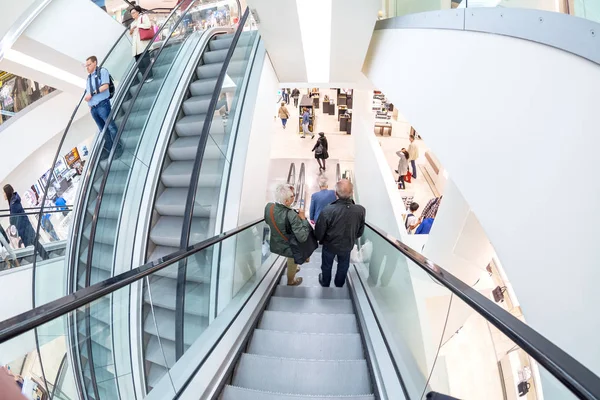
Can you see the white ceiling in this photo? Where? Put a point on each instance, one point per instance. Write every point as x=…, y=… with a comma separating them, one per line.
x=112, y=5
x=352, y=23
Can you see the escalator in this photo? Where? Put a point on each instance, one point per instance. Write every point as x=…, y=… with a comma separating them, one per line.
x=273, y=341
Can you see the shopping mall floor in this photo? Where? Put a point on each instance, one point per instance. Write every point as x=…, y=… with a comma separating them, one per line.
x=287, y=144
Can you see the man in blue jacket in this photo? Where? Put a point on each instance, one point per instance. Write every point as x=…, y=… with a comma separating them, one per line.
x=320, y=199
x=98, y=98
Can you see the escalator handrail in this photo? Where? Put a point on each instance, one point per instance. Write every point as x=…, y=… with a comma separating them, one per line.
x=291, y=179
x=121, y=128
x=38, y=316
x=575, y=376
x=191, y=197
x=47, y=211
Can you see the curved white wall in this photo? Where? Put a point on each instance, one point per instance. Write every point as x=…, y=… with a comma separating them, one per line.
x=516, y=125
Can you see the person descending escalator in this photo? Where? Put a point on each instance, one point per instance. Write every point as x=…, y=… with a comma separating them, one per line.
x=339, y=225
x=141, y=34
x=19, y=219
x=287, y=226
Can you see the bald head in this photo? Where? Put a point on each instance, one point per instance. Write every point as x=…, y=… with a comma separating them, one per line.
x=344, y=189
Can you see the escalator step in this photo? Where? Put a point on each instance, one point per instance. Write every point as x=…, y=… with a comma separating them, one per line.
x=318, y=306
x=171, y=202
x=238, y=393
x=308, y=323
x=306, y=292
x=167, y=231
x=275, y=374
x=310, y=346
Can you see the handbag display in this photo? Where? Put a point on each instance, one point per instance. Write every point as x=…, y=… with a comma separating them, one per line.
x=146, y=34
x=300, y=250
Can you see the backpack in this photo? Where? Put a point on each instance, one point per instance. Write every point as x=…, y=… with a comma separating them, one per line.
x=319, y=149
x=111, y=83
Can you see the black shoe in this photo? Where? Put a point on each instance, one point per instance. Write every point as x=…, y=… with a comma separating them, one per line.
x=396, y=171
x=321, y=281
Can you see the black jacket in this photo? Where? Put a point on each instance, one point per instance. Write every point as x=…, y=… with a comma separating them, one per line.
x=325, y=154
x=340, y=224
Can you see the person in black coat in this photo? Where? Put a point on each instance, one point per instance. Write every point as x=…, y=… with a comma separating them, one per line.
x=19, y=219
x=321, y=151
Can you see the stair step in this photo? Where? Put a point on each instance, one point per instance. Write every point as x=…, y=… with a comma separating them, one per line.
x=155, y=349
x=308, y=323
x=179, y=173
x=165, y=323
x=311, y=346
x=238, y=393
x=167, y=231
x=164, y=295
x=306, y=377
x=318, y=306
x=172, y=201
x=203, y=87
x=186, y=148
x=309, y=292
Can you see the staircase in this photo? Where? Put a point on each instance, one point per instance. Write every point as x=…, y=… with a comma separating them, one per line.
x=306, y=346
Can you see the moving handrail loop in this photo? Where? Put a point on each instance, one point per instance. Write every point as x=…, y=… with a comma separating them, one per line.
x=291, y=179
x=38, y=316
x=575, y=376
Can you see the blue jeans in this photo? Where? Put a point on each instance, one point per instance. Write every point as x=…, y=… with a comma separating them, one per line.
x=414, y=167
x=342, y=268
x=100, y=114
x=284, y=121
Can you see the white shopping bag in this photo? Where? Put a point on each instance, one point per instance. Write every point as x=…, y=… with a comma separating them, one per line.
x=363, y=255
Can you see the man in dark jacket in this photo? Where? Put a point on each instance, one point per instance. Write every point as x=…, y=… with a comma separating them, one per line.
x=338, y=227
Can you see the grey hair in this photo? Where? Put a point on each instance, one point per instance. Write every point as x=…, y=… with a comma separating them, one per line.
x=283, y=192
x=323, y=182
x=344, y=189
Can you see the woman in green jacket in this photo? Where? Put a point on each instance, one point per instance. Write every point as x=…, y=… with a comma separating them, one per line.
x=275, y=216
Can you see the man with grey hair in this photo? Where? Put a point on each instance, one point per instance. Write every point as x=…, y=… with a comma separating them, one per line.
x=320, y=199
x=338, y=227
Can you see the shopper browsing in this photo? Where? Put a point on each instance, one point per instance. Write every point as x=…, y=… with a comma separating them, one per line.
x=98, y=98
x=305, y=123
x=284, y=114
x=140, y=23
x=402, y=167
x=413, y=154
x=411, y=220
x=295, y=95
x=320, y=148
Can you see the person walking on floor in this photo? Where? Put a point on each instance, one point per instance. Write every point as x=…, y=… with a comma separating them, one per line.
x=413, y=154
x=98, y=98
x=320, y=148
x=284, y=114
x=138, y=46
x=305, y=124
x=319, y=200
x=282, y=219
x=295, y=95
x=402, y=167
x=338, y=227
x=19, y=219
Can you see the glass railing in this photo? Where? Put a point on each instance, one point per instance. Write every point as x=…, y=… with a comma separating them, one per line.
x=588, y=9
x=18, y=246
x=448, y=338
x=206, y=197
x=18, y=93
x=106, y=308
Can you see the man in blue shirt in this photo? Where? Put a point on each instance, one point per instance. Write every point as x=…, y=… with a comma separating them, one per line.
x=305, y=123
x=320, y=199
x=98, y=98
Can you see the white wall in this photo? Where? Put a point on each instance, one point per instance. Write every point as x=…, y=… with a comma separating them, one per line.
x=251, y=167
x=64, y=34
x=30, y=143
x=519, y=137
x=11, y=11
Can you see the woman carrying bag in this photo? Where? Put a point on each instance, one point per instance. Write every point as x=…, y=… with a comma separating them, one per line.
x=141, y=34
x=321, y=149
x=291, y=233
x=284, y=114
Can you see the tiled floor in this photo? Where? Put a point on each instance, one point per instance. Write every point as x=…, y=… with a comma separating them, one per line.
x=288, y=145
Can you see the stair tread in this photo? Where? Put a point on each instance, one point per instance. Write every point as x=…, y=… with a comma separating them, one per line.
x=303, y=305
x=307, y=377
x=312, y=346
x=238, y=393
x=308, y=322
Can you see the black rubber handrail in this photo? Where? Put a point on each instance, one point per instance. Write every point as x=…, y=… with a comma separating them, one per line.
x=575, y=376
x=8, y=213
x=191, y=198
x=32, y=319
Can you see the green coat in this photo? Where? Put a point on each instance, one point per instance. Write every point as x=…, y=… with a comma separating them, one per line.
x=300, y=228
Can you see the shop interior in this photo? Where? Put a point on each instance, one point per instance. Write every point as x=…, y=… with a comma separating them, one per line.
x=16, y=93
